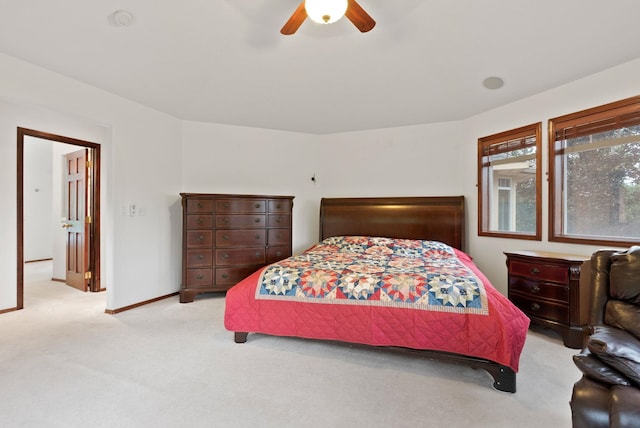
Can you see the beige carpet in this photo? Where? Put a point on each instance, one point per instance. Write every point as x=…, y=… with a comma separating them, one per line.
x=64, y=363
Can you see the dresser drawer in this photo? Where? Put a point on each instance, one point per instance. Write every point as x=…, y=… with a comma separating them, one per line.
x=199, y=221
x=237, y=238
x=199, y=258
x=240, y=220
x=541, y=308
x=230, y=276
x=539, y=289
x=241, y=256
x=199, y=278
x=540, y=271
x=241, y=206
x=278, y=237
x=275, y=254
x=199, y=205
x=279, y=206
x=278, y=220
x=199, y=238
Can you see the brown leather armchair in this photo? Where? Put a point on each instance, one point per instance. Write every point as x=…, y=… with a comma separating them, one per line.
x=608, y=395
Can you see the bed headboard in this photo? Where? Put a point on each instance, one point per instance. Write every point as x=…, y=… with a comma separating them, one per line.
x=437, y=218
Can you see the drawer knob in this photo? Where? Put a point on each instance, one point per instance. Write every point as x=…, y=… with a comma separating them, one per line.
x=225, y=220
x=534, y=271
x=257, y=206
x=225, y=237
x=200, y=238
x=200, y=257
x=225, y=256
x=226, y=205
x=199, y=276
x=200, y=205
x=257, y=254
x=535, y=307
x=278, y=206
x=225, y=275
x=257, y=237
x=257, y=220
x=278, y=220
x=279, y=254
x=200, y=220
x=535, y=289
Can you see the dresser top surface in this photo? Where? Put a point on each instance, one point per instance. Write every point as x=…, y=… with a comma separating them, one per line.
x=224, y=196
x=548, y=255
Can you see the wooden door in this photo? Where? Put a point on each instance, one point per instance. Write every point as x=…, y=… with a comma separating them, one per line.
x=76, y=222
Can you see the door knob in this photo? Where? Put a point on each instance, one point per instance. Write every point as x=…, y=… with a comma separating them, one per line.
x=66, y=225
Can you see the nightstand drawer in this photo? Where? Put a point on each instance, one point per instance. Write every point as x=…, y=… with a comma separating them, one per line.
x=540, y=271
x=539, y=289
x=541, y=308
x=547, y=287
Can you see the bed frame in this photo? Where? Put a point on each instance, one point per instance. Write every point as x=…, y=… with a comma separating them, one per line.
x=438, y=218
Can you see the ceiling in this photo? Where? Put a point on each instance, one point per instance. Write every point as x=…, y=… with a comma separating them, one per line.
x=225, y=61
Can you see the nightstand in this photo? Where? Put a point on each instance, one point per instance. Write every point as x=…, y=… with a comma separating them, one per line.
x=552, y=290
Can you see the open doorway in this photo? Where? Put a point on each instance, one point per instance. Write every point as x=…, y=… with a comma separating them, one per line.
x=80, y=213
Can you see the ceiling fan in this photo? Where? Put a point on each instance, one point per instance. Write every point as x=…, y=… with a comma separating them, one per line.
x=308, y=8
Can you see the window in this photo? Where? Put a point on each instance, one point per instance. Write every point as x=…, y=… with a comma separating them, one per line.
x=509, y=184
x=594, y=175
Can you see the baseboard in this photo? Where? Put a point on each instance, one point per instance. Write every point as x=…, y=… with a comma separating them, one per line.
x=4, y=311
x=137, y=305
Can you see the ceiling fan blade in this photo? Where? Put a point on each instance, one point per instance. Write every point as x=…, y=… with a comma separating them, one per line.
x=359, y=17
x=296, y=20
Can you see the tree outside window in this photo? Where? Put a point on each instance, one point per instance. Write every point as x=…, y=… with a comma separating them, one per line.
x=595, y=175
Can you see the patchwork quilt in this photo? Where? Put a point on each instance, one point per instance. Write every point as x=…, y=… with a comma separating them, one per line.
x=360, y=270
x=382, y=292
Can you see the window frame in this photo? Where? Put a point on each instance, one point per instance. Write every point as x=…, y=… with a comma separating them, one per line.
x=534, y=129
x=556, y=173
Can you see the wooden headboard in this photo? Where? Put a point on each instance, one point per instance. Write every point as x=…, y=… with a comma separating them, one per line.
x=437, y=218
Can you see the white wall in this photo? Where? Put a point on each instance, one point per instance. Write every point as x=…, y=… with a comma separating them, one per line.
x=608, y=86
x=233, y=159
x=149, y=157
x=140, y=163
x=407, y=161
x=38, y=199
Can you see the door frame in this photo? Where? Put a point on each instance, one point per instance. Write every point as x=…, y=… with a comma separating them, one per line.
x=93, y=263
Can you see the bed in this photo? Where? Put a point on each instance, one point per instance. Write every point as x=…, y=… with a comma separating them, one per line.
x=358, y=285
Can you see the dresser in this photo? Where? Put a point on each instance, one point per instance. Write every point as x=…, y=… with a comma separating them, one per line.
x=225, y=238
x=552, y=290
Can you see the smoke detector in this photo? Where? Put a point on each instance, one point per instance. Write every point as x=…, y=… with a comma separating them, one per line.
x=121, y=18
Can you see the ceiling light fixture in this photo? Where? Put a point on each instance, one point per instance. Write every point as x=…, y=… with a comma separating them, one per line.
x=326, y=11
